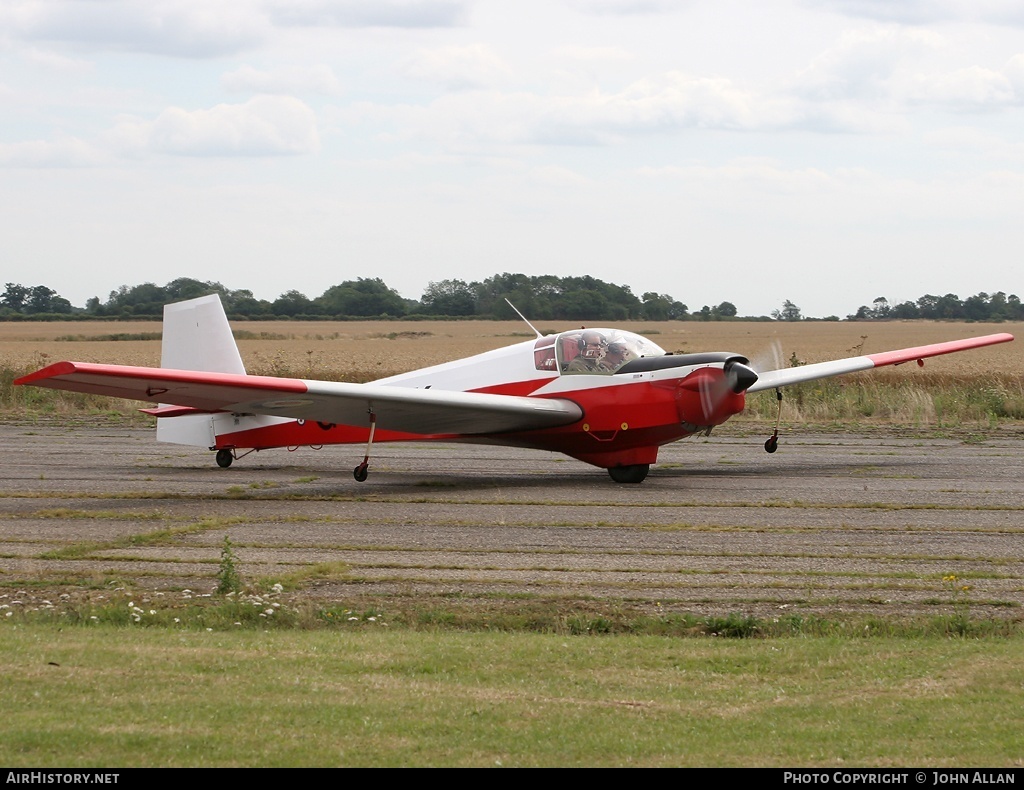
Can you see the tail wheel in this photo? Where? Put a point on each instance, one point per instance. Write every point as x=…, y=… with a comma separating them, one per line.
x=633, y=473
x=224, y=458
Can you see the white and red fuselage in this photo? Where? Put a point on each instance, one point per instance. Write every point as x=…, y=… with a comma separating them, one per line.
x=622, y=417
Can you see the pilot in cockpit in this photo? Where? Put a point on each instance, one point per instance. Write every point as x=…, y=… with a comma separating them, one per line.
x=588, y=360
x=616, y=355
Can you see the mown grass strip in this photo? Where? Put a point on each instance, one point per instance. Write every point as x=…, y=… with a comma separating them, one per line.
x=162, y=537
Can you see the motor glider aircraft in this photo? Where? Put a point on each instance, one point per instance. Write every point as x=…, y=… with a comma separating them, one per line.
x=606, y=397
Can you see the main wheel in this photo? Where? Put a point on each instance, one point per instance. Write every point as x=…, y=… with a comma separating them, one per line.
x=633, y=473
x=224, y=458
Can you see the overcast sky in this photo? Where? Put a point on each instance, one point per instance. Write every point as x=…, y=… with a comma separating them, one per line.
x=823, y=151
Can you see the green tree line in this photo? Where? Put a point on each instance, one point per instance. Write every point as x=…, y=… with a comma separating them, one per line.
x=544, y=297
x=541, y=298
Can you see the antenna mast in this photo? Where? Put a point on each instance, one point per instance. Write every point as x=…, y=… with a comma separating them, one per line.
x=524, y=318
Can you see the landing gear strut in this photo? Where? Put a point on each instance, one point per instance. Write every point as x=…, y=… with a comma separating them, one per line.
x=772, y=444
x=361, y=471
x=632, y=473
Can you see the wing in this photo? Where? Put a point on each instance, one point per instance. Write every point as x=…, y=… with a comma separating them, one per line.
x=419, y=411
x=821, y=370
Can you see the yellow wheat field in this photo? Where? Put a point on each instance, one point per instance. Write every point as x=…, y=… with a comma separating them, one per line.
x=361, y=351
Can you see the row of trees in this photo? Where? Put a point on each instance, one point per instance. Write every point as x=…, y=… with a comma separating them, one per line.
x=980, y=307
x=35, y=300
x=540, y=298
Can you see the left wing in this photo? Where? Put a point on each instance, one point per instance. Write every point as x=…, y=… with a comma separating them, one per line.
x=821, y=370
x=418, y=411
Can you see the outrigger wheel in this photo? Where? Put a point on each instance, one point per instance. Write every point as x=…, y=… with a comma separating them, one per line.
x=772, y=444
x=632, y=473
x=224, y=458
x=360, y=472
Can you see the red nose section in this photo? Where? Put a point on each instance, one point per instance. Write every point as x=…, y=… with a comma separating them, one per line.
x=706, y=398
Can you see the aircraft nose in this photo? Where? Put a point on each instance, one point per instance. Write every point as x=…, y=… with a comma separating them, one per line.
x=740, y=376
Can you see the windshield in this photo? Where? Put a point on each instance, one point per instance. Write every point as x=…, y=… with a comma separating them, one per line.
x=599, y=351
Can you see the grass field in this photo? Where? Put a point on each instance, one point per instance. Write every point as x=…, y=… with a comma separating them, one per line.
x=378, y=698
x=384, y=348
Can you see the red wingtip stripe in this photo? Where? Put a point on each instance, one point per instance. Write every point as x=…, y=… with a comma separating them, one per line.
x=49, y=372
x=936, y=349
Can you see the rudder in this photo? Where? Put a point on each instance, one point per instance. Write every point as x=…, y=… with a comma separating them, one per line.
x=196, y=336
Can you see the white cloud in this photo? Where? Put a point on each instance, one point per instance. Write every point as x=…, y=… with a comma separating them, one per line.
x=52, y=61
x=289, y=80
x=862, y=63
x=65, y=152
x=458, y=67
x=610, y=54
x=558, y=177
x=903, y=11
x=181, y=28
x=663, y=104
x=972, y=87
x=262, y=126
x=924, y=12
x=368, y=13
x=1014, y=71
x=766, y=176
x=625, y=7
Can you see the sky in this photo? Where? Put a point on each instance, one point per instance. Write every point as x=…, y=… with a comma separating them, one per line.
x=825, y=152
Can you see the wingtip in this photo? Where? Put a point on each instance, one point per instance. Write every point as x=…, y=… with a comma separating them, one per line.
x=49, y=372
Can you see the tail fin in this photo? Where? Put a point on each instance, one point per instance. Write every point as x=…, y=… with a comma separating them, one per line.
x=196, y=336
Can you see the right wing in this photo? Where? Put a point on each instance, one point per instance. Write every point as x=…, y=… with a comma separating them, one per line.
x=418, y=411
x=821, y=370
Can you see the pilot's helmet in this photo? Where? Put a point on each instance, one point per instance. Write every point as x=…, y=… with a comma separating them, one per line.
x=592, y=344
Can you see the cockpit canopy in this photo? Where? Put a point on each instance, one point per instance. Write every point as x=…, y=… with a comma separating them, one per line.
x=593, y=351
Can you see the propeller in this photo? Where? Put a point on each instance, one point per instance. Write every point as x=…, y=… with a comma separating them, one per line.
x=769, y=358
x=737, y=377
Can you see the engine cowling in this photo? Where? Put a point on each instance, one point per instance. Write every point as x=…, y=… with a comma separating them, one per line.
x=711, y=395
